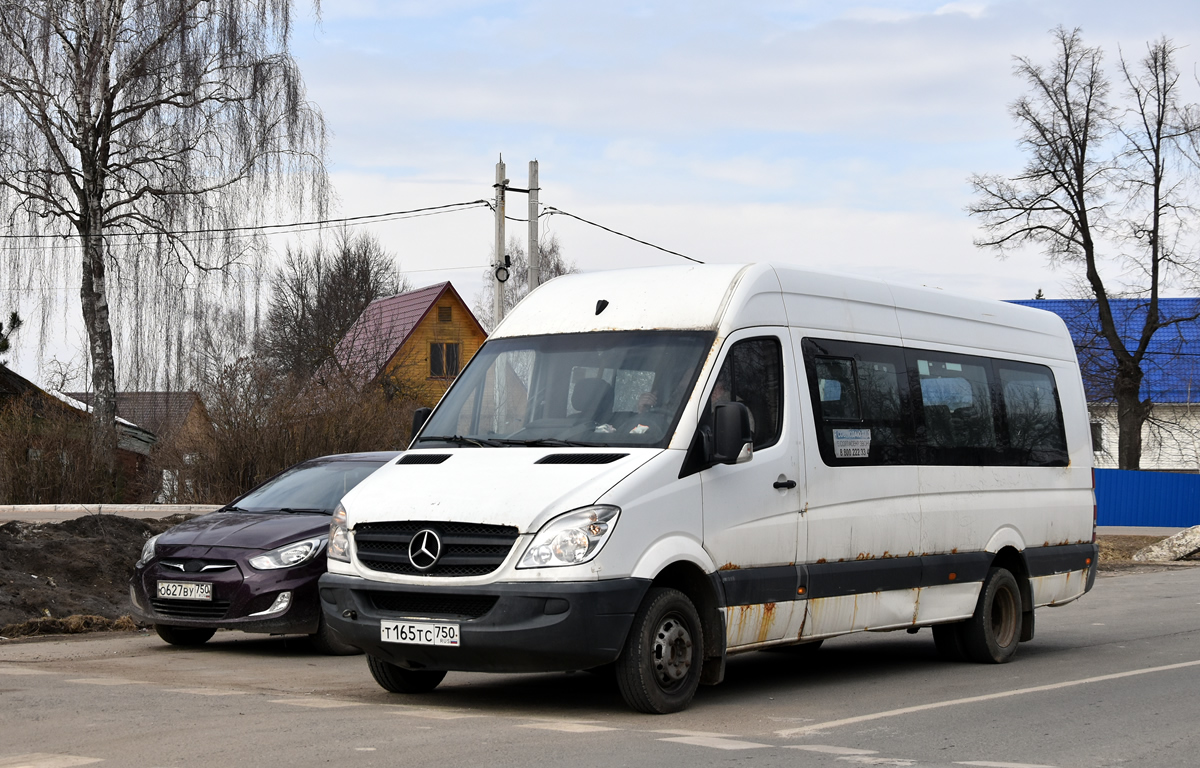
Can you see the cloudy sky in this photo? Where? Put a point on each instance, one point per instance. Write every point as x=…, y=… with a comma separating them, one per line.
x=832, y=135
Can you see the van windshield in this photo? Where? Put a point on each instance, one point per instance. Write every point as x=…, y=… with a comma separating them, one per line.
x=617, y=388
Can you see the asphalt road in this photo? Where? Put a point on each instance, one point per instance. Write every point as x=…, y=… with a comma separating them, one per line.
x=1110, y=680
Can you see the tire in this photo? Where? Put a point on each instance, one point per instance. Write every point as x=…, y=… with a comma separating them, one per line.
x=397, y=679
x=330, y=643
x=184, y=636
x=948, y=639
x=991, y=636
x=659, y=668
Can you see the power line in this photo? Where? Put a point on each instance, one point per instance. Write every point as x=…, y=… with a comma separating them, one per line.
x=299, y=226
x=551, y=210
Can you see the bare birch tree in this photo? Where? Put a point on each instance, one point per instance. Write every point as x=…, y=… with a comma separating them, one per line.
x=143, y=131
x=1106, y=189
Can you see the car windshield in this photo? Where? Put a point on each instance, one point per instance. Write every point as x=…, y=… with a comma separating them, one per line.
x=314, y=486
x=617, y=388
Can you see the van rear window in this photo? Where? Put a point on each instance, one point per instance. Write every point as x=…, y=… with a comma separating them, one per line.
x=877, y=404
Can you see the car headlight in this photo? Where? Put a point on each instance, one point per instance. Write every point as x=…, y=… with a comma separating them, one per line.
x=339, y=536
x=147, y=551
x=288, y=555
x=571, y=539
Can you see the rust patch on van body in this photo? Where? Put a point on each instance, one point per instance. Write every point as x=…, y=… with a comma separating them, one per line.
x=730, y=567
x=764, y=625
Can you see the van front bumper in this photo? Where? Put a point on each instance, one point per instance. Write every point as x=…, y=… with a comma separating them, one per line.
x=506, y=627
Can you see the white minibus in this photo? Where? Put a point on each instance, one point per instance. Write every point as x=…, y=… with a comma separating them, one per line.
x=657, y=468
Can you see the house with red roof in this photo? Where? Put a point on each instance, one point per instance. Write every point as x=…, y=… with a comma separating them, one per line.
x=413, y=344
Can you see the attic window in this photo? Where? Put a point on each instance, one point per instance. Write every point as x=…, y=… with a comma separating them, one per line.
x=443, y=314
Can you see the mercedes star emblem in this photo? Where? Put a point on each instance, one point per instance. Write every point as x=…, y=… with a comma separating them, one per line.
x=424, y=549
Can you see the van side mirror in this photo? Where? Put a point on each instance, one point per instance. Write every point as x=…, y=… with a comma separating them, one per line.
x=733, y=439
x=420, y=416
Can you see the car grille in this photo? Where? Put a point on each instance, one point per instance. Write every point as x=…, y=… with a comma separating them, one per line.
x=190, y=609
x=468, y=549
x=417, y=604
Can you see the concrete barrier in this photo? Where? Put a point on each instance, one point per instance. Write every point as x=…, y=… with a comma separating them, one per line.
x=57, y=513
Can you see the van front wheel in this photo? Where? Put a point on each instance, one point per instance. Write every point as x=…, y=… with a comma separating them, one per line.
x=659, y=668
x=992, y=634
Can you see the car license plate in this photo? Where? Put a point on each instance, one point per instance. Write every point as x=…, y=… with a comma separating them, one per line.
x=185, y=590
x=418, y=633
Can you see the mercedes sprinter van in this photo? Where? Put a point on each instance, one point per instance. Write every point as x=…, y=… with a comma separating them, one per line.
x=657, y=468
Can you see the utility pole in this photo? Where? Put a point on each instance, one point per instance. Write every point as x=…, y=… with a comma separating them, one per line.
x=535, y=251
x=500, y=267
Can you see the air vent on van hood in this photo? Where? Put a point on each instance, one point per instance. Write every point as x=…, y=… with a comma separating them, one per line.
x=581, y=458
x=423, y=458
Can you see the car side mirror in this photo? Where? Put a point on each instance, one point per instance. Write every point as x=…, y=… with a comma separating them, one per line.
x=733, y=439
x=420, y=416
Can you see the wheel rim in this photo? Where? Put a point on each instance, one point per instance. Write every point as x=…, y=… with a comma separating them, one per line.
x=672, y=651
x=1004, y=617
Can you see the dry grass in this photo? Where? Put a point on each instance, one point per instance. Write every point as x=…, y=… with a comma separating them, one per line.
x=71, y=625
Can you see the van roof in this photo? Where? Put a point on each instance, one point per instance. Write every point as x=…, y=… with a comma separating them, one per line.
x=724, y=297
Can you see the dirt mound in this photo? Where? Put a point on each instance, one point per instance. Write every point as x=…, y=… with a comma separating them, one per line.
x=79, y=568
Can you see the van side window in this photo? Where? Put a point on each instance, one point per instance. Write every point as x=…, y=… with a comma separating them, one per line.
x=860, y=394
x=753, y=375
x=878, y=404
x=956, y=398
x=1033, y=415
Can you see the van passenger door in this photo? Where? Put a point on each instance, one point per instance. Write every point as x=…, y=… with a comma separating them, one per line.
x=752, y=521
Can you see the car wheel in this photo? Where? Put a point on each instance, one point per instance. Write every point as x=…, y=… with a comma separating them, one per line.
x=659, y=668
x=400, y=680
x=184, y=635
x=325, y=640
x=948, y=639
x=992, y=634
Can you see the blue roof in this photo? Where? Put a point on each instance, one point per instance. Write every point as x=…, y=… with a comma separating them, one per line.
x=1172, y=362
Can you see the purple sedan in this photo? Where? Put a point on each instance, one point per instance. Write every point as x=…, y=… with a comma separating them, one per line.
x=252, y=565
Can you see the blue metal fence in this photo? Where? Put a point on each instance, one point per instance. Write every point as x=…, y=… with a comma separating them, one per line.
x=1155, y=499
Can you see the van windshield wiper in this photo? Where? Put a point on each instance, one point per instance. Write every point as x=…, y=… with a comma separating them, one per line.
x=549, y=442
x=293, y=510
x=481, y=442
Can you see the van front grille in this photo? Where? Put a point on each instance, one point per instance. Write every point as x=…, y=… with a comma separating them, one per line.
x=468, y=549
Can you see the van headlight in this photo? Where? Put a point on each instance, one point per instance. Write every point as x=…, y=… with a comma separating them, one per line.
x=339, y=536
x=296, y=553
x=571, y=539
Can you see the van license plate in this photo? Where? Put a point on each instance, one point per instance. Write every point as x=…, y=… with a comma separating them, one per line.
x=185, y=590
x=418, y=633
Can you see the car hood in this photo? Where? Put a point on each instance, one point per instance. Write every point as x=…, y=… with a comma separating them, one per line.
x=246, y=530
x=522, y=487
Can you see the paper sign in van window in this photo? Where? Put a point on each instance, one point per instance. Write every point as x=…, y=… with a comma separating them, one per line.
x=851, y=443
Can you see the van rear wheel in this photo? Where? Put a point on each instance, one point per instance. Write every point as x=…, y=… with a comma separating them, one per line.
x=992, y=634
x=659, y=668
x=397, y=679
